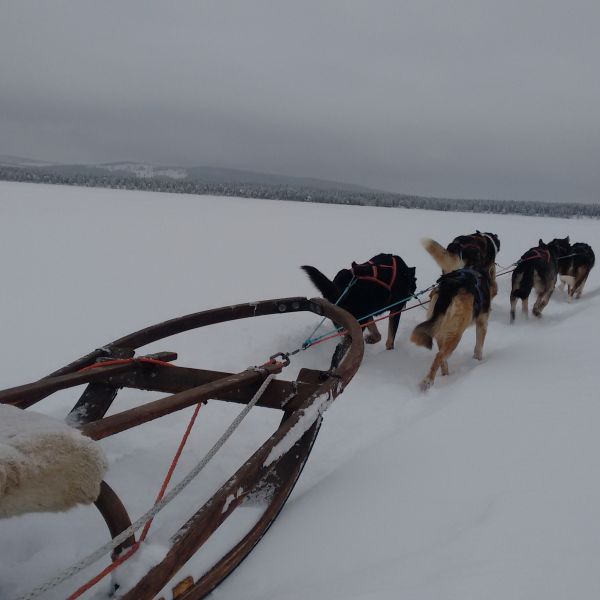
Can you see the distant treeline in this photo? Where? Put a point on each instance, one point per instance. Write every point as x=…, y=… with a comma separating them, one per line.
x=297, y=193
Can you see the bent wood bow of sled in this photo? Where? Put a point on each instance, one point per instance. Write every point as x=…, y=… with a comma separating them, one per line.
x=270, y=473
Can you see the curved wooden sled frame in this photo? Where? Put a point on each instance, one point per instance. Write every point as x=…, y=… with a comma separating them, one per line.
x=271, y=481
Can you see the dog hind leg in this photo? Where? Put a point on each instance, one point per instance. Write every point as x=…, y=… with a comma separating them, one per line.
x=579, y=290
x=480, y=333
x=394, y=320
x=544, y=290
x=493, y=285
x=541, y=302
x=522, y=282
x=580, y=280
x=513, y=306
x=444, y=368
x=569, y=280
x=373, y=336
x=446, y=347
x=448, y=334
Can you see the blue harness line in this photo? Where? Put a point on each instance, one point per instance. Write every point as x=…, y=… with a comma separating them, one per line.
x=310, y=340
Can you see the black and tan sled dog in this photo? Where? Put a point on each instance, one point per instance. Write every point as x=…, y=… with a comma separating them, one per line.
x=537, y=269
x=461, y=298
x=477, y=250
x=379, y=282
x=574, y=269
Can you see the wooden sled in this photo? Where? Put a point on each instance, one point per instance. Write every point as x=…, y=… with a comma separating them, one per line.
x=273, y=481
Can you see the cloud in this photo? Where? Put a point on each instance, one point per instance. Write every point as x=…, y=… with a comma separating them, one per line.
x=478, y=99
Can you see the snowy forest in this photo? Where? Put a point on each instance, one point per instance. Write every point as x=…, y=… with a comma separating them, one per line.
x=96, y=177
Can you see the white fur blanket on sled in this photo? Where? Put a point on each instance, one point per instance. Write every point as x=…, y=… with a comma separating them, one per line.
x=45, y=465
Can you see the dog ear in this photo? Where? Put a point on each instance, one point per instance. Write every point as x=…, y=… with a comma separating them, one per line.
x=412, y=270
x=541, y=242
x=567, y=240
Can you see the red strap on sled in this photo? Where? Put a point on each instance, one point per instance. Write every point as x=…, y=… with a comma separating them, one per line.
x=119, y=560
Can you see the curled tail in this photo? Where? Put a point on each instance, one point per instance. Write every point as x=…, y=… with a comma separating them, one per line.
x=328, y=289
x=447, y=261
x=422, y=334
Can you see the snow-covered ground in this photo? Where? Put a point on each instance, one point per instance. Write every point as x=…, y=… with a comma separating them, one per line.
x=486, y=487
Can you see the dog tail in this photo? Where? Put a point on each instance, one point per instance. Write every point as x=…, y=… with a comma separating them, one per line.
x=328, y=289
x=422, y=334
x=447, y=261
x=522, y=281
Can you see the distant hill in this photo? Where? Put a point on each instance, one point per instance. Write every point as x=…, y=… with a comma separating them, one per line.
x=19, y=161
x=207, y=175
x=249, y=184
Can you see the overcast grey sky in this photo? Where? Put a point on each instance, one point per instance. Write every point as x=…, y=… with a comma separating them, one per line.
x=474, y=99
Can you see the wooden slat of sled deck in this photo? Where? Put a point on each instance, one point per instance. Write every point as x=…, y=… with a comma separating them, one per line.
x=178, y=379
x=159, y=408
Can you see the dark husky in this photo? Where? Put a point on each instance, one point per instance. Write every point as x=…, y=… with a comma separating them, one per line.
x=461, y=298
x=381, y=281
x=537, y=268
x=477, y=250
x=574, y=270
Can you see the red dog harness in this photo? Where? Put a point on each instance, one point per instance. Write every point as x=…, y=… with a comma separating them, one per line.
x=472, y=244
x=376, y=275
x=537, y=253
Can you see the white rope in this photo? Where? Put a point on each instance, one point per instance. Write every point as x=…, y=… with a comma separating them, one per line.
x=119, y=539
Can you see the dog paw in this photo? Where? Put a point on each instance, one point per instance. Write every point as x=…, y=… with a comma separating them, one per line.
x=478, y=355
x=372, y=339
x=425, y=384
x=537, y=313
x=389, y=346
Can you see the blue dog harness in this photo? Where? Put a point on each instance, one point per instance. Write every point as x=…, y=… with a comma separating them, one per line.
x=469, y=278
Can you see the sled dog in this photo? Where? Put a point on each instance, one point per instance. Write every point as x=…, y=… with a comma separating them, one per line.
x=477, y=250
x=537, y=269
x=574, y=270
x=461, y=298
x=377, y=283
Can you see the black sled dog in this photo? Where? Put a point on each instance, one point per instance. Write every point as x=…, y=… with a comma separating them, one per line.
x=477, y=250
x=574, y=270
x=379, y=282
x=537, y=269
x=461, y=298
